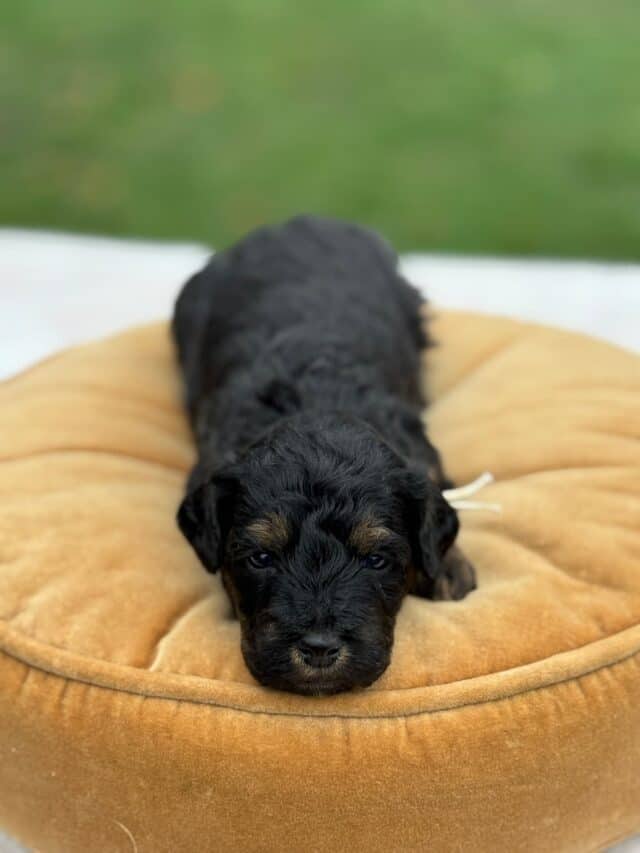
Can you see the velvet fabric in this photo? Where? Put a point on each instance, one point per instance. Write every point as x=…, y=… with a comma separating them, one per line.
x=507, y=721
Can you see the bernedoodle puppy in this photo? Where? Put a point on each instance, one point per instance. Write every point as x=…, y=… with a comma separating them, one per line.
x=316, y=492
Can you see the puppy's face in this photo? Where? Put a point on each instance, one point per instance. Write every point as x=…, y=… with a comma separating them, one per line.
x=317, y=534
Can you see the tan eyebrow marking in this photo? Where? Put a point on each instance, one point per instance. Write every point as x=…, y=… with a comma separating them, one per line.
x=271, y=532
x=367, y=534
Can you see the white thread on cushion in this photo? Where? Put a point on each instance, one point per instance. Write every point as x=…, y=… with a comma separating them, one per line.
x=456, y=497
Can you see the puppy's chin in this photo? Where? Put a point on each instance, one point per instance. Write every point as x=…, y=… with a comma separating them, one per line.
x=283, y=669
x=321, y=684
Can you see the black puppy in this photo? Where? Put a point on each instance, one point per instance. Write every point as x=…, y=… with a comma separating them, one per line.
x=316, y=491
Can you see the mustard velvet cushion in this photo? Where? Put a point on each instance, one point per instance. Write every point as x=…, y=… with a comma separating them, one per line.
x=508, y=721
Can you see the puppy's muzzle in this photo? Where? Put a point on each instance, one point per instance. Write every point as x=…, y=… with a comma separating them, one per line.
x=319, y=649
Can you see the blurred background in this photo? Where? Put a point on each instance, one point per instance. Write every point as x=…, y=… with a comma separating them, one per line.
x=500, y=127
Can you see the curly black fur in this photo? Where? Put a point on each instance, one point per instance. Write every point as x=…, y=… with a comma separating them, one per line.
x=301, y=349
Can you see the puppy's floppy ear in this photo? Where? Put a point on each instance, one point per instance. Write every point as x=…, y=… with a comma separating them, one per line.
x=204, y=517
x=433, y=524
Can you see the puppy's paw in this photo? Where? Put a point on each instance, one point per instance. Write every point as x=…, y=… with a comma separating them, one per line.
x=457, y=578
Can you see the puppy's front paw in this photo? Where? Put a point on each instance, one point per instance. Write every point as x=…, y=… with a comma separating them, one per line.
x=457, y=578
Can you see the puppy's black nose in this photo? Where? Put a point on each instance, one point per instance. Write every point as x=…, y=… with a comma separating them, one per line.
x=319, y=648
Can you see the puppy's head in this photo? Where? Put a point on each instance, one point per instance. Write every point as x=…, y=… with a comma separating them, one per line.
x=317, y=530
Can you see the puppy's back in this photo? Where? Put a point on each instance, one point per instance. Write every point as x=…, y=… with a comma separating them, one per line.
x=322, y=268
x=313, y=246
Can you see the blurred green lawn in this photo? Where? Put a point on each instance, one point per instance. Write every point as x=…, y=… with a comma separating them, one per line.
x=508, y=126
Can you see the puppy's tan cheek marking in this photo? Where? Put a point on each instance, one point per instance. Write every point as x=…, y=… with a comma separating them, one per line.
x=299, y=663
x=272, y=532
x=366, y=535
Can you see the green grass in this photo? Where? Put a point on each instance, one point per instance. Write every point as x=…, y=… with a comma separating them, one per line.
x=508, y=126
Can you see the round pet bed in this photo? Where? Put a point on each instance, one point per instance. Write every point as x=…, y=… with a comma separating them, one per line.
x=507, y=721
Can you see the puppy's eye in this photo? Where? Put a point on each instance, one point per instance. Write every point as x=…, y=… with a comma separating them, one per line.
x=261, y=560
x=375, y=561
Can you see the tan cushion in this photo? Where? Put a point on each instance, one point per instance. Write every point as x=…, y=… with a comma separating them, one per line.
x=508, y=721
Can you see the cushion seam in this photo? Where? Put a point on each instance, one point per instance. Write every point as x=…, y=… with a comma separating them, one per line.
x=372, y=717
